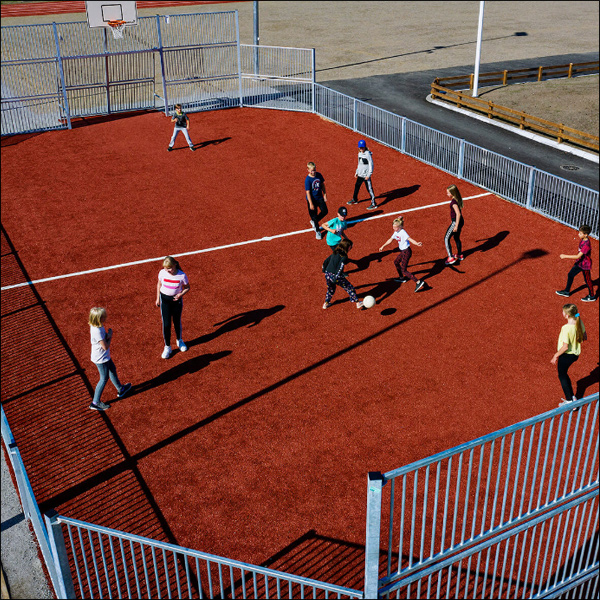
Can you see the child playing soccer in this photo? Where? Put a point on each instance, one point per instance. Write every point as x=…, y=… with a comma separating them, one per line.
x=401, y=262
x=583, y=264
x=335, y=228
x=101, y=340
x=333, y=268
x=363, y=174
x=572, y=334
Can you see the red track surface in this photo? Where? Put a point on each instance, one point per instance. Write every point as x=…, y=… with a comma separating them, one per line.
x=28, y=9
x=264, y=431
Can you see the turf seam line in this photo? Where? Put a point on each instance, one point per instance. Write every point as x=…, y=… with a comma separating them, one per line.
x=224, y=247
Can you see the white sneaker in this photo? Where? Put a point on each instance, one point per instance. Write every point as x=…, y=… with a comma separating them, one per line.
x=182, y=346
x=166, y=352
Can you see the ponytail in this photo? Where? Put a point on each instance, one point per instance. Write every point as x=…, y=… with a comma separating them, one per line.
x=573, y=313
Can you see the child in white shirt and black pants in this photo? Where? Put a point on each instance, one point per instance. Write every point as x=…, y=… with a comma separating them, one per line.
x=401, y=262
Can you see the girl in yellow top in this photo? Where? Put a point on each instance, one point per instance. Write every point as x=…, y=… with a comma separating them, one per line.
x=569, y=348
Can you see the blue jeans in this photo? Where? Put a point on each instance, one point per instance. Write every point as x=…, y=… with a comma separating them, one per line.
x=106, y=370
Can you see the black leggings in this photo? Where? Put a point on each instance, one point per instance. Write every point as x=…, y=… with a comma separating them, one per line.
x=319, y=212
x=170, y=310
x=456, y=235
x=563, y=363
x=368, y=185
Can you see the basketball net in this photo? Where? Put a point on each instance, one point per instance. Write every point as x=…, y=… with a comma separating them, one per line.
x=117, y=28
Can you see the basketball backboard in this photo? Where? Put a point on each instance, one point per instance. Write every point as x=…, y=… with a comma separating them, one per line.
x=100, y=12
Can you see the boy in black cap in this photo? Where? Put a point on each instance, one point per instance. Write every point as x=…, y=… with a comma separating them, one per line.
x=335, y=228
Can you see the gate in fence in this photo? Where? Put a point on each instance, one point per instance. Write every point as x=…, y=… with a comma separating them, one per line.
x=512, y=514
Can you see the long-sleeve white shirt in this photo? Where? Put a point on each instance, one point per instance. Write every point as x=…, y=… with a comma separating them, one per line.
x=365, y=164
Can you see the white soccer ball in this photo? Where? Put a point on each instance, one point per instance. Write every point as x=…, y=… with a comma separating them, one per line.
x=368, y=302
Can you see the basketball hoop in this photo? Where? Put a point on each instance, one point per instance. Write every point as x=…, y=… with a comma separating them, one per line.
x=117, y=27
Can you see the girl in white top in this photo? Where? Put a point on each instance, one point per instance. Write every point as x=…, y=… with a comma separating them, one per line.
x=101, y=339
x=172, y=285
x=401, y=262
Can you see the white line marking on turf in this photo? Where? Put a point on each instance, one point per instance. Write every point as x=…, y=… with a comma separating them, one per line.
x=263, y=239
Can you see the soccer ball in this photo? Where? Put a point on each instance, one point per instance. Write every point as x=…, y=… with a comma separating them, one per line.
x=368, y=302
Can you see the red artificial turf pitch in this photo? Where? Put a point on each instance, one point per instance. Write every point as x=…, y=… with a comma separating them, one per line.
x=263, y=433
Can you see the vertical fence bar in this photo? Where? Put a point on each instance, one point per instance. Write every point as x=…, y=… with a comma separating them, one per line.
x=62, y=76
x=59, y=553
x=161, y=56
x=313, y=80
x=239, y=60
x=376, y=483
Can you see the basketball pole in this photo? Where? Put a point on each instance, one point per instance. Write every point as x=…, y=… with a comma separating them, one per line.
x=478, y=51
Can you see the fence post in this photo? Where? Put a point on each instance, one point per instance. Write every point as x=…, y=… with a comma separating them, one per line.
x=403, y=136
x=62, y=76
x=239, y=57
x=530, y=187
x=461, y=159
x=162, y=64
x=376, y=482
x=314, y=81
x=354, y=114
x=59, y=554
x=16, y=462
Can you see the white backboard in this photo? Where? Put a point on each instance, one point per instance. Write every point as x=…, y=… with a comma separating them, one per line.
x=100, y=12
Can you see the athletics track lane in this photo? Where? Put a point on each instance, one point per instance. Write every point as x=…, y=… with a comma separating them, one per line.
x=279, y=409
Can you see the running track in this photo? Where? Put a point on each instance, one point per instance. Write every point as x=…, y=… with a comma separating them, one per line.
x=28, y=9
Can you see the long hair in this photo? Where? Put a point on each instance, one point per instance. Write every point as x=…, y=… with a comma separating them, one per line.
x=456, y=195
x=97, y=315
x=571, y=311
x=170, y=262
x=343, y=248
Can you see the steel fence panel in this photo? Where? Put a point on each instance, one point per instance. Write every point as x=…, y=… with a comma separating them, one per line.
x=280, y=94
x=504, y=176
x=27, y=42
x=432, y=147
x=111, y=563
x=335, y=106
x=276, y=62
x=380, y=125
x=200, y=29
x=565, y=202
x=466, y=498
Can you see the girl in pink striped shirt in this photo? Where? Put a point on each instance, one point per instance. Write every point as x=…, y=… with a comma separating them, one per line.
x=172, y=285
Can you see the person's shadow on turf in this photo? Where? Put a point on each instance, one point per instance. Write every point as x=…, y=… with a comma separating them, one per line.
x=250, y=318
x=210, y=143
x=396, y=194
x=193, y=365
x=587, y=381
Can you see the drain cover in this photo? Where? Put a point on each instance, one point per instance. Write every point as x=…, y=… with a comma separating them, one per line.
x=570, y=167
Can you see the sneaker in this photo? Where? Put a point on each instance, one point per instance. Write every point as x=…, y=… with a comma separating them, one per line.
x=312, y=224
x=359, y=305
x=100, y=406
x=318, y=235
x=192, y=149
x=401, y=279
x=372, y=207
x=353, y=201
x=451, y=260
x=419, y=286
x=326, y=305
x=459, y=257
x=182, y=346
x=166, y=352
x=124, y=391
x=563, y=293
x=588, y=298
x=169, y=149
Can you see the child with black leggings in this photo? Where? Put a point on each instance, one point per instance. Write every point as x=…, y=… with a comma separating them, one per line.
x=569, y=348
x=456, y=225
x=172, y=285
x=583, y=264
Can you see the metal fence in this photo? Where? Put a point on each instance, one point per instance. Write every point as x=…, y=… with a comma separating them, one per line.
x=29, y=504
x=511, y=514
x=98, y=562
